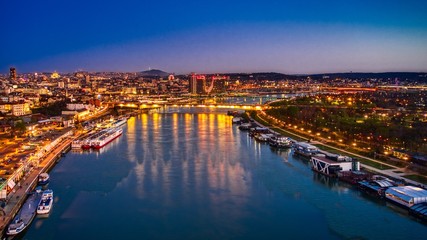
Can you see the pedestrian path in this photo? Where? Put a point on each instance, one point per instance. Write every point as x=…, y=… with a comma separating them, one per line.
x=18, y=195
x=396, y=173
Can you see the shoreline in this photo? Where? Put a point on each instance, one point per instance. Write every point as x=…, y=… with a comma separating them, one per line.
x=19, y=193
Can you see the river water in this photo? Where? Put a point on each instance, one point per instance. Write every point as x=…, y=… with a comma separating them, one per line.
x=191, y=174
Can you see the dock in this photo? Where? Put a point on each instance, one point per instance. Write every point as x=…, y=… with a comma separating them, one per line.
x=17, y=198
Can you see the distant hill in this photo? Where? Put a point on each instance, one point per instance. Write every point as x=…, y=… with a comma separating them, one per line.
x=411, y=76
x=154, y=73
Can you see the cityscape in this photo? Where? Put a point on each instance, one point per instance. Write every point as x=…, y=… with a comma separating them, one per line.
x=255, y=123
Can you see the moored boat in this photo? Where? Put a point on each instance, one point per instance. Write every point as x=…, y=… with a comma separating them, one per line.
x=46, y=202
x=107, y=138
x=280, y=142
x=305, y=149
x=43, y=179
x=25, y=215
x=119, y=122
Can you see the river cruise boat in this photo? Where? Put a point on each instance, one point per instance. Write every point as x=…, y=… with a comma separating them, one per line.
x=106, y=138
x=43, y=179
x=46, y=202
x=119, y=122
x=25, y=215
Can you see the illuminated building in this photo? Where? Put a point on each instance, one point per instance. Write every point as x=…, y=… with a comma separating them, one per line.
x=54, y=75
x=197, y=84
x=12, y=73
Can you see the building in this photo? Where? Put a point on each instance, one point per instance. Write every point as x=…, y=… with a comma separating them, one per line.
x=12, y=73
x=20, y=109
x=197, y=84
x=407, y=196
x=329, y=166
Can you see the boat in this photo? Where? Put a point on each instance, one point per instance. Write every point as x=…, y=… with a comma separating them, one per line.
x=43, y=179
x=106, y=138
x=280, y=142
x=305, y=149
x=119, y=122
x=406, y=196
x=25, y=215
x=46, y=202
x=263, y=137
x=245, y=126
x=76, y=144
x=237, y=120
x=89, y=141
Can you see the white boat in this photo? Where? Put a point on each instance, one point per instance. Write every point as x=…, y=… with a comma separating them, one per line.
x=43, y=179
x=280, y=142
x=46, y=202
x=25, y=215
x=119, y=122
x=107, y=138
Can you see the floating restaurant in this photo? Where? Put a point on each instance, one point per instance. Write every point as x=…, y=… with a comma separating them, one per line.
x=406, y=196
x=331, y=165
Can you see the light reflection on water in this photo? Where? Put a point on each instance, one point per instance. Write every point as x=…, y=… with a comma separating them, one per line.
x=196, y=176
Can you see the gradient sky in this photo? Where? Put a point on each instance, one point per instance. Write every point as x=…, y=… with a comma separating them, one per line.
x=304, y=36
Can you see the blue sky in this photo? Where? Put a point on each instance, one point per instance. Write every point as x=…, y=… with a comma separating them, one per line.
x=305, y=36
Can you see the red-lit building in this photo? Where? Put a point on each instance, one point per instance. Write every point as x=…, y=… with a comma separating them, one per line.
x=197, y=84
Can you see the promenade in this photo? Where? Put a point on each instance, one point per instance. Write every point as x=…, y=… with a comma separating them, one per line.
x=18, y=195
x=393, y=172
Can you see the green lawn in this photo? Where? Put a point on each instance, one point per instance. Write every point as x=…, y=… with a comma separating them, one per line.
x=417, y=178
x=325, y=148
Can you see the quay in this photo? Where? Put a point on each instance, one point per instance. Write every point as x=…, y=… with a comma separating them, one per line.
x=17, y=197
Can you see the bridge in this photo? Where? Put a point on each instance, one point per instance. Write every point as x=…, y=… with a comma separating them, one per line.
x=142, y=106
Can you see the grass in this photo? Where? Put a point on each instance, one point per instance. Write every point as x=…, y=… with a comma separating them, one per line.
x=417, y=178
x=328, y=149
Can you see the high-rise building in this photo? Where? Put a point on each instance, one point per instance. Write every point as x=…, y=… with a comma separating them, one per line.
x=12, y=73
x=197, y=84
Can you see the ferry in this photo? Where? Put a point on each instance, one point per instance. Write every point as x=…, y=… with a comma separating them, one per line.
x=25, y=215
x=107, y=138
x=46, y=202
x=43, y=179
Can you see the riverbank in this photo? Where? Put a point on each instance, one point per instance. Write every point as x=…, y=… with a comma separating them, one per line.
x=389, y=170
x=28, y=182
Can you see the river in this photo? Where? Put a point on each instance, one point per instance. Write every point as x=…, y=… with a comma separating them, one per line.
x=188, y=173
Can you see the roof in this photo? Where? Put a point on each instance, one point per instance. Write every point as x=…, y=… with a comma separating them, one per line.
x=420, y=208
x=326, y=160
x=407, y=192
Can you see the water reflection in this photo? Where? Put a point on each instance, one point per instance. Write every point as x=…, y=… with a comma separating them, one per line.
x=196, y=176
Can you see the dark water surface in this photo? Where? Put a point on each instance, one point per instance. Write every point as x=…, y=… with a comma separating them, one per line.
x=196, y=176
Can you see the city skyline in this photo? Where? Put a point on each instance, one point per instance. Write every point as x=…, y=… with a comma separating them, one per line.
x=291, y=38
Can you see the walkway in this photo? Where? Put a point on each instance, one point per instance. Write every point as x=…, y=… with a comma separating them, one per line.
x=396, y=173
x=16, y=198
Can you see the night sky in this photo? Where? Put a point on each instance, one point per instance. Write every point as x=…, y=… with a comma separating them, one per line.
x=305, y=36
